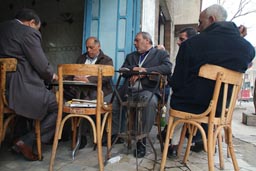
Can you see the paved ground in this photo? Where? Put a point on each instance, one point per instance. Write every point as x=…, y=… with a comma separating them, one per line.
x=86, y=159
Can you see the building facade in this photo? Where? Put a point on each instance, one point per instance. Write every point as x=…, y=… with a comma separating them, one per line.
x=66, y=24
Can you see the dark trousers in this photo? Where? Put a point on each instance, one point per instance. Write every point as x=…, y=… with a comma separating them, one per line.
x=47, y=124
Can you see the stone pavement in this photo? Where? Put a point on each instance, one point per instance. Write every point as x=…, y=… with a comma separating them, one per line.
x=86, y=159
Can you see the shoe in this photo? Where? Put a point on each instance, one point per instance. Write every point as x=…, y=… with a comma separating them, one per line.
x=83, y=142
x=198, y=147
x=140, y=151
x=113, y=138
x=26, y=151
x=172, y=151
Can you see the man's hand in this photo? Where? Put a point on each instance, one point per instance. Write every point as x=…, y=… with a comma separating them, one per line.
x=134, y=78
x=139, y=69
x=81, y=78
x=55, y=77
x=242, y=30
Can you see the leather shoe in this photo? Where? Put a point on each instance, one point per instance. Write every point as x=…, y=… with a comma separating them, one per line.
x=172, y=151
x=140, y=151
x=26, y=151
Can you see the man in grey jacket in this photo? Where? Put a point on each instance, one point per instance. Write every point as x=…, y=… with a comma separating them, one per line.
x=26, y=91
x=145, y=59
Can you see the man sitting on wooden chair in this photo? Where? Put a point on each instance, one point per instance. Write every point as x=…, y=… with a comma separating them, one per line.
x=93, y=55
x=145, y=59
x=26, y=91
x=218, y=43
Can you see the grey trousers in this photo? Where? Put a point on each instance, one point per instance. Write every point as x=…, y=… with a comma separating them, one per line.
x=47, y=124
x=148, y=112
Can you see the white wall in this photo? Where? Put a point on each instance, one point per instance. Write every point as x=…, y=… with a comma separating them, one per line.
x=149, y=17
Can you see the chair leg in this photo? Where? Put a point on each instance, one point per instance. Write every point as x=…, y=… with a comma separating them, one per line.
x=210, y=148
x=190, y=138
x=231, y=149
x=5, y=125
x=99, y=144
x=74, y=122
x=38, y=139
x=220, y=149
x=55, y=143
x=166, y=144
x=182, y=138
x=158, y=123
x=109, y=132
x=226, y=141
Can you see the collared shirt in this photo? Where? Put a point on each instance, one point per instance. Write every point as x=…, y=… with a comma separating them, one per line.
x=143, y=57
x=90, y=60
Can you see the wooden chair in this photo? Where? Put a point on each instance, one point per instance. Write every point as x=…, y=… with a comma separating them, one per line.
x=101, y=109
x=224, y=79
x=6, y=114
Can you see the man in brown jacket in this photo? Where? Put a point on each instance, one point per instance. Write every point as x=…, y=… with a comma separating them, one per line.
x=93, y=55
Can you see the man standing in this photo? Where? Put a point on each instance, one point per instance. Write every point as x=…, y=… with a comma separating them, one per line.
x=146, y=59
x=218, y=43
x=26, y=91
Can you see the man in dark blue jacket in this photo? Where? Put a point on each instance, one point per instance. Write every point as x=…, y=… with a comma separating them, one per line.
x=218, y=43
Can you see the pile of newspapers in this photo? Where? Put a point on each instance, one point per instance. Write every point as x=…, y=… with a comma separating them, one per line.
x=81, y=103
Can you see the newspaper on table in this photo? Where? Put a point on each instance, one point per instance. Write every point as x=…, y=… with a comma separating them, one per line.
x=81, y=103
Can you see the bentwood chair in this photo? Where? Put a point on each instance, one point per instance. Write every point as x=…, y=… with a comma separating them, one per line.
x=6, y=114
x=102, y=111
x=227, y=82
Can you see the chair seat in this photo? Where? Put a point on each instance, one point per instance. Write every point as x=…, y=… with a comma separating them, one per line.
x=189, y=117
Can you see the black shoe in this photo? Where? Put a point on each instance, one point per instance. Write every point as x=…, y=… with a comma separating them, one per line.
x=199, y=146
x=140, y=151
x=83, y=142
x=172, y=151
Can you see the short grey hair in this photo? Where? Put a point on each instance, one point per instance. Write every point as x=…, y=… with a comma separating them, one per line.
x=146, y=35
x=217, y=11
x=96, y=41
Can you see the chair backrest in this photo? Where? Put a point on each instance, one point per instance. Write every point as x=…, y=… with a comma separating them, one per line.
x=227, y=87
x=7, y=65
x=82, y=70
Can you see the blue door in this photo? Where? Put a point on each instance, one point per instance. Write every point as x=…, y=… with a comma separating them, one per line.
x=115, y=23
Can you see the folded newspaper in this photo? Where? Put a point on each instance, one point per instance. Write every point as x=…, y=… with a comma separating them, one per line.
x=81, y=103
